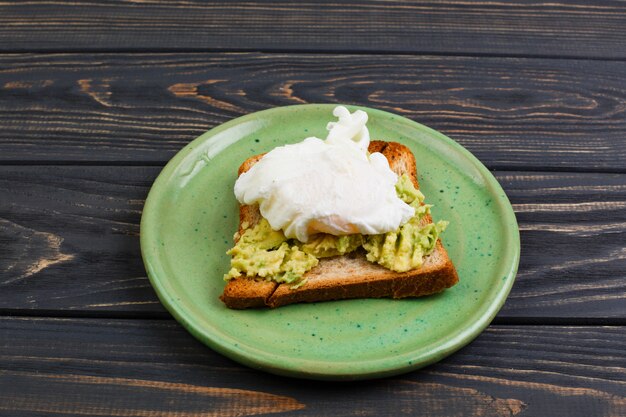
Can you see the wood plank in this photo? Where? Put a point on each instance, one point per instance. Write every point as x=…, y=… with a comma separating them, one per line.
x=572, y=229
x=141, y=368
x=513, y=113
x=569, y=28
x=70, y=239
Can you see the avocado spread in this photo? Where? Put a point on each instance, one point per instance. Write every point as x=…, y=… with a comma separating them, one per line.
x=405, y=248
x=266, y=253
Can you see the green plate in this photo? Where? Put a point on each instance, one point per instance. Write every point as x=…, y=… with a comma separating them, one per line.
x=191, y=214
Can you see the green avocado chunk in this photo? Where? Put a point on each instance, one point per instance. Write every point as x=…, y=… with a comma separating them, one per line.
x=405, y=248
x=324, y=245
x=268, y=254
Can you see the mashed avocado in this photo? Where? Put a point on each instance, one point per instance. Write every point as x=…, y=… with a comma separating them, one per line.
x=263, y=252
x=266, y=253
x=324, y=245
x=407, y=192
x=405, y=248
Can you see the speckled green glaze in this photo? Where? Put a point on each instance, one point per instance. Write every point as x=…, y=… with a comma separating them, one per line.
x=191, y=214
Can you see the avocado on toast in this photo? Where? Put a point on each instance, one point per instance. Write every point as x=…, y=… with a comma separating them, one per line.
x=350, y=275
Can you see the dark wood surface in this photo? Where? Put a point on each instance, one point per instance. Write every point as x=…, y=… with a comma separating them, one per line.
x=96, y=96
x=137, y=108
x=570, y=28
x=151, y=368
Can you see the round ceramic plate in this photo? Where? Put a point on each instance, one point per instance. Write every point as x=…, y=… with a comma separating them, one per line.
x=191, y=214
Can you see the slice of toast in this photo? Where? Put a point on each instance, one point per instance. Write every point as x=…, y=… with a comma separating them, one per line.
x=351, y=275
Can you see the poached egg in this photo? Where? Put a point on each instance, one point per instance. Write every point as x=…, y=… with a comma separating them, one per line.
x=326, y=186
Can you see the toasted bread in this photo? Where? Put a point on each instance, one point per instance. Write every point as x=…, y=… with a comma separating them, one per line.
x=351, y=275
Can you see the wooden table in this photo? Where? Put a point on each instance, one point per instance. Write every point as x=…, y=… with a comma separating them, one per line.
x=95, y=97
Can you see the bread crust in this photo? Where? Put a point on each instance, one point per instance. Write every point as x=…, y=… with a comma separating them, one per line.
x=349, y=276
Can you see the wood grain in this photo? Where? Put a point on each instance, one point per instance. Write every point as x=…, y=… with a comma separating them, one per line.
x=573, y=229
x=70, y=242
x=148, y=368
x=511, y=113
x=570, y=28
x=71, y=232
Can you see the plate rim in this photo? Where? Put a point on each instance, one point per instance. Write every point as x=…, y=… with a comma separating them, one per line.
x=268, y=361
